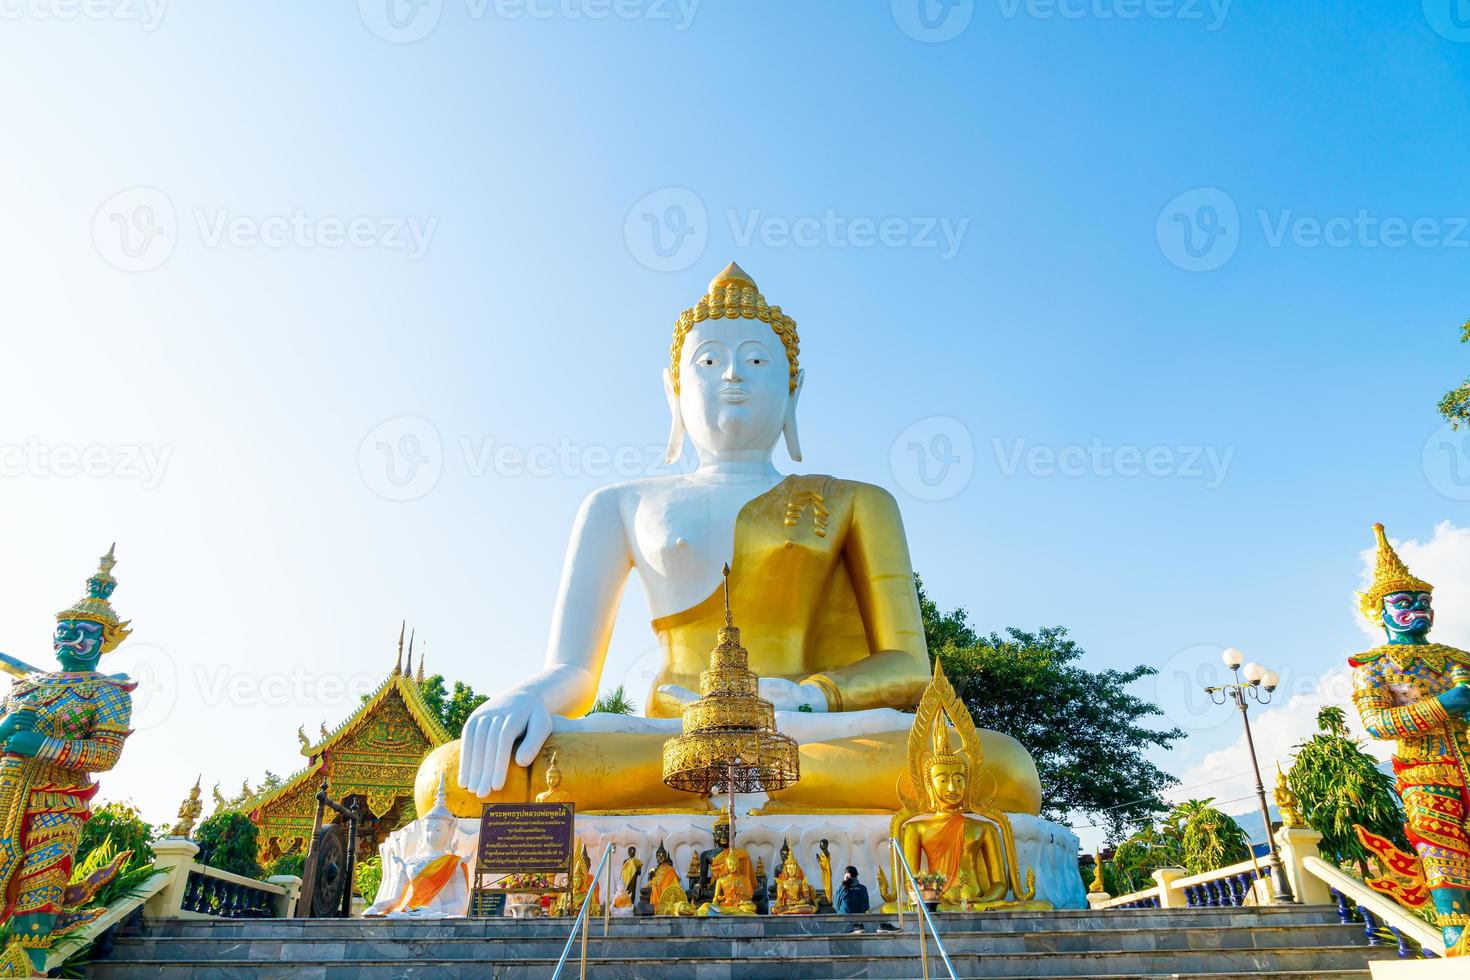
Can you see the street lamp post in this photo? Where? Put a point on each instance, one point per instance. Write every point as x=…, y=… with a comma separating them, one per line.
x=1257, y=685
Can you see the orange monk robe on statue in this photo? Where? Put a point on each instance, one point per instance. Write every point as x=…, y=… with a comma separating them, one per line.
x=742, y=864
x=428, y=883
x=663, y=877
x=944, y=846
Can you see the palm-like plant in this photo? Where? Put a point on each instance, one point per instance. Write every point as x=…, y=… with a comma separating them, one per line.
x=615, y=702
x=1209, y=838
x=1339, y=785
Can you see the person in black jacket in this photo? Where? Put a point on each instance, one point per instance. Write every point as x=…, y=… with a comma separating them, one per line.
x=852, y=895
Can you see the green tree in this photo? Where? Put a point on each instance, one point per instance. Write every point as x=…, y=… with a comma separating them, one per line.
x=614, y=702
x=452, y=706
x=123, y=825
x=1209, y=839
x=944, y=630
x=1087, y=733
x=227, y=840
x=1339, y=785
x=1145, y=851
x=1455, y=405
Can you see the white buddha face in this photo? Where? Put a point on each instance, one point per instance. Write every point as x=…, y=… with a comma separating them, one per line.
x=439, y=834
x=733, y=385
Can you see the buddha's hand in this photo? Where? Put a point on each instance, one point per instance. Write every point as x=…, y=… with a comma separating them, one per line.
x=783, y=694
x=491, y=733
x=1456, y=701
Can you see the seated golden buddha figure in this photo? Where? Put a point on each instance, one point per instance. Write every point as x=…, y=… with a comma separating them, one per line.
x=792, y=892
x=733, y=894
x=820, y=571
x=789, y=866
x=940, y=828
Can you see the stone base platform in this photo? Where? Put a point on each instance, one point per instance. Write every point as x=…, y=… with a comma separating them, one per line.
x=860, y=840
x=1284, y=943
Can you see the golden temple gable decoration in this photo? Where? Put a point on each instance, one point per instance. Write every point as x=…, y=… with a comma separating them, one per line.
x=373, y=756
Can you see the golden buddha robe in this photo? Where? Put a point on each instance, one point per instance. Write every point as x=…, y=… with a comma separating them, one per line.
x=791, y=898
x=844, y=616
x=822, y=578
x=743, y=866
x=732, y=897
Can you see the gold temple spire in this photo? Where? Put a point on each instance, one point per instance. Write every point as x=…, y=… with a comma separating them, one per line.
x=418, y=678
x=726, y=573
x=398, y=664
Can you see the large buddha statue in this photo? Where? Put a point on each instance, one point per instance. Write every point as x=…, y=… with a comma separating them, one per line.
x=819, y=570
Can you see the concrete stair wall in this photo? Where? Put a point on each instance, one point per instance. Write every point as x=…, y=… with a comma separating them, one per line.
x=1287, y=943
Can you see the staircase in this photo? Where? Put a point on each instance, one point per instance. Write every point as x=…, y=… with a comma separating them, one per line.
x=1285, y=943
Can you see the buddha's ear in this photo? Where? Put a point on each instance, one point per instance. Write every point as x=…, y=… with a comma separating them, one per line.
x=676, y=423
x=793, y=441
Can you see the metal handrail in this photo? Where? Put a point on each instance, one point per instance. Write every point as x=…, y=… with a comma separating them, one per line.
x=928, y=920
x=581, y=922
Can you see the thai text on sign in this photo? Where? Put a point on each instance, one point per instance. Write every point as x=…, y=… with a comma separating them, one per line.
x=526, y=838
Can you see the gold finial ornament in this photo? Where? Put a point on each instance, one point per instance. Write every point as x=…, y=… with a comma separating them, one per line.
x=733, y=294
x=94, y=607
x=1287, y=802
x=398, y=664
x=730, y=737
x=1390, y=575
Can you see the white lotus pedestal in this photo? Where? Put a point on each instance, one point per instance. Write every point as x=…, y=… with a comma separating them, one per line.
x=860, y=840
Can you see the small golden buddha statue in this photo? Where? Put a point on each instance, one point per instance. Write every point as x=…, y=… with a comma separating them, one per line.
x=553, y=793
x=790, y=867
x=939, y=831
x=792, y=891
x=733, y=894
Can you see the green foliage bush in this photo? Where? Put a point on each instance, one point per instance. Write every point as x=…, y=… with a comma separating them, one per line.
x=124, y=826
x=367, y=876
x=287, y=864
x=227, y=840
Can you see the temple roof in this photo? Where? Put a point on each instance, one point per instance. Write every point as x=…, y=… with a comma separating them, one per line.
x=399, y=682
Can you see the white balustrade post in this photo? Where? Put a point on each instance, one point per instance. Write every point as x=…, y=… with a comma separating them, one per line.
x=1169, y=896
x=1296, y=844
x=176, y=856
x=1094, y=899
x=286, y=904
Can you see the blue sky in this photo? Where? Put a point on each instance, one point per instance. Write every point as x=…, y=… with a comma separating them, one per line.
x=252, y=242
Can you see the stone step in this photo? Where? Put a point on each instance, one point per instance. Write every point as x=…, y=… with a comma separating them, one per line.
x=1321, y=964
x=1081, y=921
x=459, y=948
